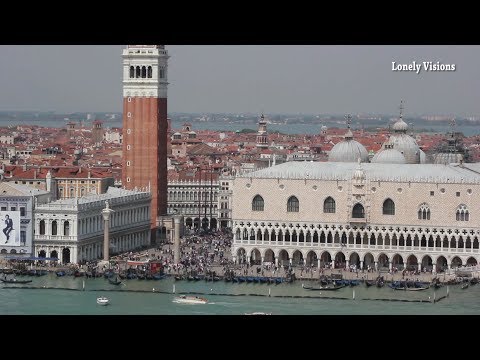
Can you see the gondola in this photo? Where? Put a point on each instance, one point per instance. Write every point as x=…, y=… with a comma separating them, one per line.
x=465, y=285
x=369, y=283
x=15, y=281
x=114, y=281
x=321, y=288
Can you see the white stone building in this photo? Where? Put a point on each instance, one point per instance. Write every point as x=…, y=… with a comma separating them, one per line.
x=21, y=199
x=72, y=229
x=416, y=216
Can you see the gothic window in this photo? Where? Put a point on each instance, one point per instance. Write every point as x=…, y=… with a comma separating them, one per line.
x=293, y=204
x=462, y=213
x=329, y=205
x=144, y=72
x=162, y=75
x=358, y=211
x=54, y=227
x=66, y=228
x=424, y=212
x=257, y=203
x=137, y=72
x=132, y=72
x=388, y=207
x=42, y=227
x=149, y=72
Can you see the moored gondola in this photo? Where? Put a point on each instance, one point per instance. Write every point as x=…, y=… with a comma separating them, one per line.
x=324, y=288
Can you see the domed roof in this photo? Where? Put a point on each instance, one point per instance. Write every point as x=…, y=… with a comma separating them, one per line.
x=389, y=156
x=447, y=158
x=407, y=146
x=400, y=126
x=323, y=127
x=348, y=151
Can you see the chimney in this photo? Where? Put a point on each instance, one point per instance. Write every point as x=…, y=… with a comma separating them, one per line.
x=89, y=174
x=79, y=169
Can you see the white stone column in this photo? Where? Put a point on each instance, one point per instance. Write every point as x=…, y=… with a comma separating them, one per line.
x=347, y=263
x=176, y=249
x=390, y=266
x=376, y=265
x=361, y=264
x=106, y=231
x=318, y=263
x=263, y=258
x=420, y=266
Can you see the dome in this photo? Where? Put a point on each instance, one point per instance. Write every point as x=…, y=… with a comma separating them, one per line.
x=447, y=158
x=323, y=128
x=407, y=146
x=400, y=126
x=389, y=156
x=348, y=151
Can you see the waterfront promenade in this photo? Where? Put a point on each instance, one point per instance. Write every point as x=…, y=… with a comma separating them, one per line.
x=202, y=255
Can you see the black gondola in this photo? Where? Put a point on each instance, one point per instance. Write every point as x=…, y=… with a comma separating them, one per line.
x=326, y=288
x=15, y=281
x=465, y=285
x=369, y=283
x=114, y=281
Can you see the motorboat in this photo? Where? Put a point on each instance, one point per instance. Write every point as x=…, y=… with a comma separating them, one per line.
x=258, y=313
x=102, y=300
x=182, y=299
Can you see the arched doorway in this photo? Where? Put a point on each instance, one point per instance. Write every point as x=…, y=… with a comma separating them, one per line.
x=383, y=262
x=204, y=223
x=340, y=260
x=297, y=258
x=397, y=262
x=255, y=258
x=412, y=263
x=368, y=262
x=241, y=256
x=427, y=263
x=213, y=224
x=325, y=260
x=441, y=264
x=196, y=223
x=269, y=256
x=456, y=262
x=283, y=258
x=13, y=251
x=66, y=255
x=42, y=254
x=312, y=259
x=354, y=260
x=3, y=251
x=189, y=223
x=54, y=254
x=471, y=261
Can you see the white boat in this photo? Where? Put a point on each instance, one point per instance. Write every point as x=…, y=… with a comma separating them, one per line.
x=103, y=301
x=182, y=299
x=258, y=313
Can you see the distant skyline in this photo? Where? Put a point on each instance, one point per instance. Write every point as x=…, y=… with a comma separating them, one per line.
x=293, y=79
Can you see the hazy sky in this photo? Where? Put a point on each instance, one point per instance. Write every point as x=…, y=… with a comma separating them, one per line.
x=271, y=79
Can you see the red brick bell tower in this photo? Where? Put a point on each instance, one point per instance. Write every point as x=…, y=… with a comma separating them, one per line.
x=145, y=124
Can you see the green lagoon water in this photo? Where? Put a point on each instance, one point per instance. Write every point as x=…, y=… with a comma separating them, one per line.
x=146, y=297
